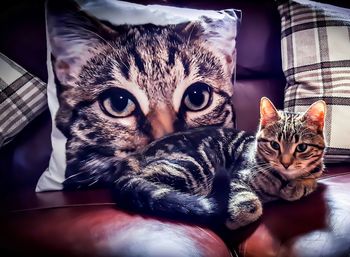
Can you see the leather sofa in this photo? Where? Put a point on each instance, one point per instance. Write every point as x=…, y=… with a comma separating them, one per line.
x=87, y=223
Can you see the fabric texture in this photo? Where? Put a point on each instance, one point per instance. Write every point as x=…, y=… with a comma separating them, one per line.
x=22, y=98
x=219, y=29
x=315, y=44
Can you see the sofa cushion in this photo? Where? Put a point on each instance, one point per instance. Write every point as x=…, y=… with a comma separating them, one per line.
x=316, y=62
x=117, y=82
x=22, y=98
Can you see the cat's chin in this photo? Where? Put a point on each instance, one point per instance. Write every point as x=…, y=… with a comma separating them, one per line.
x=312, y=175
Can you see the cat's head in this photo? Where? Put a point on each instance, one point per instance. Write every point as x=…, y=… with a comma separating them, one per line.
x=292, y=143
x=124, y=86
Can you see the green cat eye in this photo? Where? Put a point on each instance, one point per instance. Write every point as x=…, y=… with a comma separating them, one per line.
x=301, y=148
x=197, y=97
x=275, y=145
x=117, y=103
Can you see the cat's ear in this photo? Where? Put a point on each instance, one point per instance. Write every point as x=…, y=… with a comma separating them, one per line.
x=315, y=115
x=268, y=112
x=73, y=36
x=222, y=32
x=219, y=32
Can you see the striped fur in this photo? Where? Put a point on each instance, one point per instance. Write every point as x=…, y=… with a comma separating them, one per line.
x=219, y=173
x=161, y=72
x=122, y=88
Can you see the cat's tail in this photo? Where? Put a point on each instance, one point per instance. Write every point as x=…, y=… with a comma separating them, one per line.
x=140, y=195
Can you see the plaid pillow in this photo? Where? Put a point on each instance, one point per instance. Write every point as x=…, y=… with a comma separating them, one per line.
x=316, y=63
x=22, y=98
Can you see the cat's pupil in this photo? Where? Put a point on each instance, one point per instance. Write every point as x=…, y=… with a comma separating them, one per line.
x=275, y=145
x=197, y=96
x=301, y=147
x=119, y=102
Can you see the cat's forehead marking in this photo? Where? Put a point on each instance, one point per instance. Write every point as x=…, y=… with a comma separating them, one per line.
x=161, y=67
x=156, y=67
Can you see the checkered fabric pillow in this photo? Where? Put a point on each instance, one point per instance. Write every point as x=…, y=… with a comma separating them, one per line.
x=22, y=98
x=316, y=63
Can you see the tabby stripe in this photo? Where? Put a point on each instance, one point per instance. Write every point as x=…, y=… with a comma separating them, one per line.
x=240, y=199
x=138, y=60
x=124, y=68
x=161, y=167
x=263, y=140
x=175, y=175
x=318, y=168
x=190, y=160
x=222, y=153
x=188, y=174
x=266, y=182
x=237, y=187
x=240, y=149
x=232, y=144
x=210, y=168
x=186, y=64
x=317, y=146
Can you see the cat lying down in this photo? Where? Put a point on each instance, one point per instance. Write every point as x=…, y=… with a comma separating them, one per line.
x=219, y=175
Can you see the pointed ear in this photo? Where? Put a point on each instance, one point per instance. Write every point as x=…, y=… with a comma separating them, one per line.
x=221, y=32
x=315, y=115
x=73, y=36
x=268, y=112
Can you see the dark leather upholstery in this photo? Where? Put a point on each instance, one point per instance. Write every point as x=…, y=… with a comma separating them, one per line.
x=318, y=225
x=87, y=223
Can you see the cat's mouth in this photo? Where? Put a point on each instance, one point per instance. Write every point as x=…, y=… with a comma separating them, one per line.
x=296, y=174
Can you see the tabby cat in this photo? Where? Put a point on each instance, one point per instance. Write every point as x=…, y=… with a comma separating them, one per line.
x=121, y=87
x=187, y=174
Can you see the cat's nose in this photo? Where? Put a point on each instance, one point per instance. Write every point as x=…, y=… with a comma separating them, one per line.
x=162, y=122
x=286, y=165
x=286, y=161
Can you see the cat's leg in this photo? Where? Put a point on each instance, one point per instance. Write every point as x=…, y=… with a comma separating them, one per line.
x=298, y=188
x=244, y=206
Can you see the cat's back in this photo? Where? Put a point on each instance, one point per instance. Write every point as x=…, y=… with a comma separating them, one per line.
x=190, y=140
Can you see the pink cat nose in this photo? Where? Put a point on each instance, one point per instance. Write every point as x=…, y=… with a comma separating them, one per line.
x=162, y=121
x=286, y=165
x=286, y=161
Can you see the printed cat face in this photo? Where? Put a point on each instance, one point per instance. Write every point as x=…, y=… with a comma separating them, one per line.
x=120, y=87
x=292, y=143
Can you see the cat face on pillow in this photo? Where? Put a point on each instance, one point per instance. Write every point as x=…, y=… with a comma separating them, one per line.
x=121, y=87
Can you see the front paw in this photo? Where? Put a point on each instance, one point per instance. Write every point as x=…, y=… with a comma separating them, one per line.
x=243, y=211
x=296, y=189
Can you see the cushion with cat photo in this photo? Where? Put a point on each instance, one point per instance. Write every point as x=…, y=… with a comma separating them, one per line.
x=123, y=74
x=316, y=62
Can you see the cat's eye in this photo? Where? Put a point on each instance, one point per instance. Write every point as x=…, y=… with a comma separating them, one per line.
x=275, y=145
x=197, y=97
x=117, y=103
x=301, y=148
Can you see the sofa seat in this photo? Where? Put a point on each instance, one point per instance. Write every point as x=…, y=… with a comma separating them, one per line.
x=317, y=225
x=87, y=223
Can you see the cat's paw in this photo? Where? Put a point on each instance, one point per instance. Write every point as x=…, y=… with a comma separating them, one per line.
x=296, y=189
x=243, y=212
